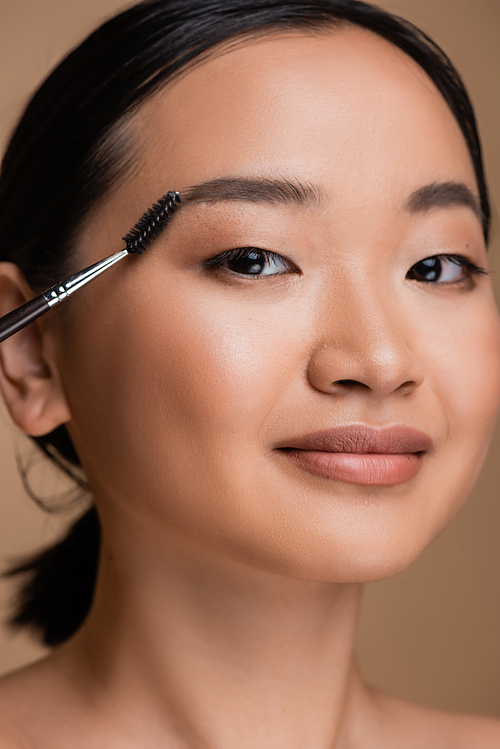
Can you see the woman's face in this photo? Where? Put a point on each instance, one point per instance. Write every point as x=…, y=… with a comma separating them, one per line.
x=189, y=373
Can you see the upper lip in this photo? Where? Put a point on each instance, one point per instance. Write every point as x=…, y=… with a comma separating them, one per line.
x=361, y=438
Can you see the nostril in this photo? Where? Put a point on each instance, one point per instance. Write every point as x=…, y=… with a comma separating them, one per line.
x=408, y=386
x=350, y=383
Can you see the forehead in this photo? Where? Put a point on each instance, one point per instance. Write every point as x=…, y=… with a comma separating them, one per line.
x=343, y=108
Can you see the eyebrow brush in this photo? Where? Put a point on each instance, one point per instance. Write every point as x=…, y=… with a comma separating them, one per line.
x=138, y=239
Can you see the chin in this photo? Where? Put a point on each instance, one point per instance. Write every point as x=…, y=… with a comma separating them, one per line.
x=377, y=564
x=352, y=558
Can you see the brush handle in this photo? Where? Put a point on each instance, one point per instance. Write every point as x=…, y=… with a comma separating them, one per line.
x=22, y=316
x=18, y=318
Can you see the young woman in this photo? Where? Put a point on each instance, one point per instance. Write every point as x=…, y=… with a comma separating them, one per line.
x=289, y=394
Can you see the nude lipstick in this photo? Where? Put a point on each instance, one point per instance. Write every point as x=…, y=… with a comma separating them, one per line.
x=360, y=454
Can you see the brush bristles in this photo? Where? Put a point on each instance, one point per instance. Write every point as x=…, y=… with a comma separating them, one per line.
x=151, y=224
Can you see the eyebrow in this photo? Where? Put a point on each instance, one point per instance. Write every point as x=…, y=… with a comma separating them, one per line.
x=444, y=195
x=306, y=195
x=272, y=191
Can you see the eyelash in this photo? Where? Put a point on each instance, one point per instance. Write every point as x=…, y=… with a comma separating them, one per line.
x=265, y=257
x=470, y=269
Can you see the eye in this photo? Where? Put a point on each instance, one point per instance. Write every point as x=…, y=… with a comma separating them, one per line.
x=251, y=261
x=444, y=269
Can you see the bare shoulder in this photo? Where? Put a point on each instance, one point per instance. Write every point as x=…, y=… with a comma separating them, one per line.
x=425, y=727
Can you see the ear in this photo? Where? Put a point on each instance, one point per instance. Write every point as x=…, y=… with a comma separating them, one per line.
x=29, y=380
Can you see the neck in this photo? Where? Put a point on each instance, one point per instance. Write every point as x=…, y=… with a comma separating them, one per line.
x=207, y=650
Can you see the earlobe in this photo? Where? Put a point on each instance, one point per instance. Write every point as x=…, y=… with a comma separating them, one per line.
x=29, y=381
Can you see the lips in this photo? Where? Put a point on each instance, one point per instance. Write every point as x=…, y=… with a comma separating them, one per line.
x=359, y=454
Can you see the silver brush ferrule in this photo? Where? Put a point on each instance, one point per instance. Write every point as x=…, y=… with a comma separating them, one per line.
x=61, y=291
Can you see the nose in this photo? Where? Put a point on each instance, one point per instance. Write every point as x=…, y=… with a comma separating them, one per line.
x=366, y=346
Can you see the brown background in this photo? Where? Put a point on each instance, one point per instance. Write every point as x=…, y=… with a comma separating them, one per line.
x=432, y=633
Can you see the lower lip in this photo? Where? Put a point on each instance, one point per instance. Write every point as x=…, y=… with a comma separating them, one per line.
x=366, y=469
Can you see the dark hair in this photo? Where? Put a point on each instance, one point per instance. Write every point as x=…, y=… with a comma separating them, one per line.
x=71, y=145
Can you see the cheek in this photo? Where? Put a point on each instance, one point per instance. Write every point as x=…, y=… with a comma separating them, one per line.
x=464, y=373
x=175, y=404
x=218, y=367
x=476, y=390
x=469, y=368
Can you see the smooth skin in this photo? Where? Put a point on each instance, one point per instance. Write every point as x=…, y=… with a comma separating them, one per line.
x=228, y=594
